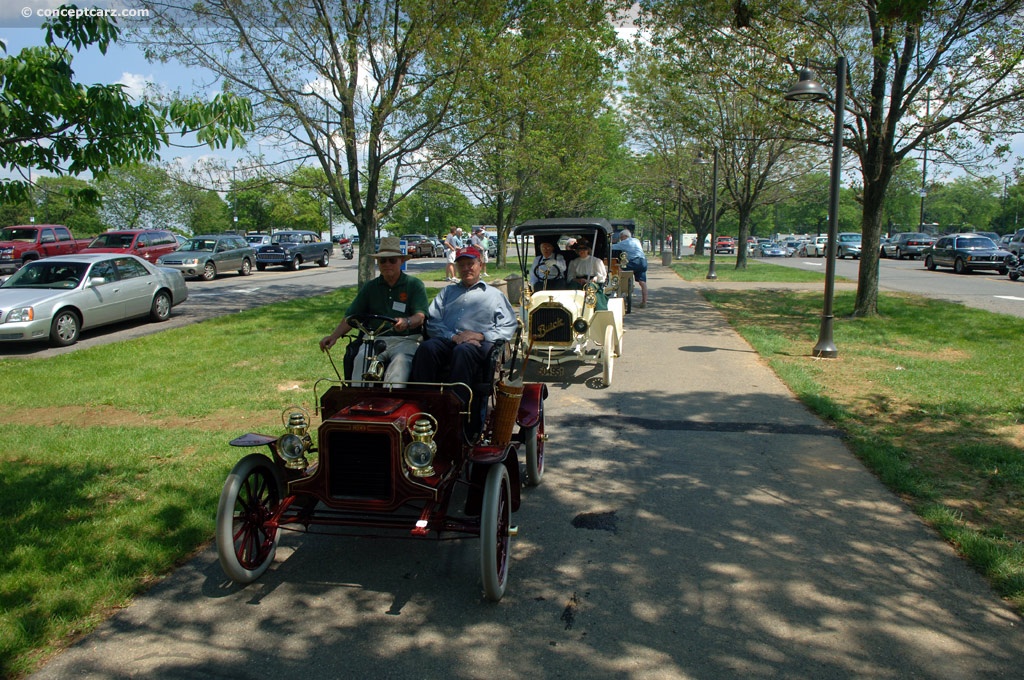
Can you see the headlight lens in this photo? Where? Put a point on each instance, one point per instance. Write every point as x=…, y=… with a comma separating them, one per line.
x=580, y=326
x=292, y=449
x=419, y=457
x=21, y=314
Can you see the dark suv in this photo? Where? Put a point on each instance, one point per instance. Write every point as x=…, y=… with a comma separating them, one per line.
x=149, y=244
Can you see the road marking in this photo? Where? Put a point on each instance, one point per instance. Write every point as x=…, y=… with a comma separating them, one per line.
x=1009, y=297
x=226, y=291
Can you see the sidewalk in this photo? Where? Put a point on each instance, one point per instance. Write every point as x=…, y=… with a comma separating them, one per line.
x=737, y=538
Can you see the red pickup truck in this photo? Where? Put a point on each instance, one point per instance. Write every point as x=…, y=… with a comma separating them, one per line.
x=24, y=243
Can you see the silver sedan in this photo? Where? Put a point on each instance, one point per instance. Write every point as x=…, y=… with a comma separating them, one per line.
x=58, y=297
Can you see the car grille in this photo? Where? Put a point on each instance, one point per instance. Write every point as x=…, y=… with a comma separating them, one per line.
x=270, y=257
x=358, y=464
x=169, y=261
x=551, y=325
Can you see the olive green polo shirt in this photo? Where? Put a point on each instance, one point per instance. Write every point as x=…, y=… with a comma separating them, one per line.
x=405, y=298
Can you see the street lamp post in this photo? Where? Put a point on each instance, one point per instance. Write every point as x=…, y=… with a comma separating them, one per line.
x=679, y=217
x=712, y=274
x=808, y=89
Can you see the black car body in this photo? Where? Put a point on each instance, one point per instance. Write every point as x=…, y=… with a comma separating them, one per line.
x=293, y=248
x=967, y=252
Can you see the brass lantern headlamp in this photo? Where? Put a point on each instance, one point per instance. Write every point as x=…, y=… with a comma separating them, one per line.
x=292, y=447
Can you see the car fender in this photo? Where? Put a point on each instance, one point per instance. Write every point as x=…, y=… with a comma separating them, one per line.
x=483, y=456
x=531, y=404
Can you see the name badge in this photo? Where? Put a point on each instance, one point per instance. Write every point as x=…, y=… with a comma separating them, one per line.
x=398, y=306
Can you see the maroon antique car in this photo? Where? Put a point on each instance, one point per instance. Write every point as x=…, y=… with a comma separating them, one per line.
x=389, y=460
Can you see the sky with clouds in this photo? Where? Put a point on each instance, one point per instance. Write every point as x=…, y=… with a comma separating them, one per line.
x=20, y=22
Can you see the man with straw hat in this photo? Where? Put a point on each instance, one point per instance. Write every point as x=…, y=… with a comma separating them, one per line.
x=394, y=294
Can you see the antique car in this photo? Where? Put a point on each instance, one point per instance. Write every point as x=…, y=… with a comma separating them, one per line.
x=564, y=322
x=58, y=297
x=290, y=249
x=390, y=459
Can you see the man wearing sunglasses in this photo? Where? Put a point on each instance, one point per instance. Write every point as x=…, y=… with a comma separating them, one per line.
x=394, y=294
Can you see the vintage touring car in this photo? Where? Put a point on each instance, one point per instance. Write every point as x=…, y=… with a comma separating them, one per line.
x=569, y=320
x=390, y=459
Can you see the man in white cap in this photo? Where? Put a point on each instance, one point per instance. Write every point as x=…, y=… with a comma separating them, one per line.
x=394, y=294
x=463, y=323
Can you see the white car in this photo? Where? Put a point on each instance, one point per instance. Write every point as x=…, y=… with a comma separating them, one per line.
x=565, y=323
x=815, y=247
x=56, y=298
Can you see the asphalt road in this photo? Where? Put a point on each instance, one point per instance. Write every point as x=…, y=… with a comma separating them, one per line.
x=226, y=294
x=695, y=521
x=982, y=290
x=231, y=293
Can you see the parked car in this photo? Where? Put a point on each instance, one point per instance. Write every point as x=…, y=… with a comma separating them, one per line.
x=814, y=247
x=208, y=256
x=908, y=244
x=967, y=252
x=1004, y=241
x=419, y=245
x=1016, y=243
x=726, y=245
x=257, y=240
x=881, y=245
x=848, y=244
x=773, y=250
x=27, y=242
x=438, y=246
x=149, y=244
x=390, y=462
x=793, y=246
x=291, y=249
x=58, y=297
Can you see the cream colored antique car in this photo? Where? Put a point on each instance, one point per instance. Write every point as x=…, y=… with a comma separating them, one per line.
x=566, y=320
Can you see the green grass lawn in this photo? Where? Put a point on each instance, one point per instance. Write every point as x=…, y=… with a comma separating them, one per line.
x=925, y=397
x=114, y=456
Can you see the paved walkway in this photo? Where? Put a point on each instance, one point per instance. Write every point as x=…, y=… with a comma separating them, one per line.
x=695, y=521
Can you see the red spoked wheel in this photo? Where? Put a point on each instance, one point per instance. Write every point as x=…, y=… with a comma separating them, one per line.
x=246, y=541
x=533, y=442
x=495, y=524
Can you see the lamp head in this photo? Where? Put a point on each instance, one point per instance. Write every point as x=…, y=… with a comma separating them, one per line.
x=807, y=89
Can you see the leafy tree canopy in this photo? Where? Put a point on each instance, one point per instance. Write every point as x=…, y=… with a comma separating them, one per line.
x=53, y=124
